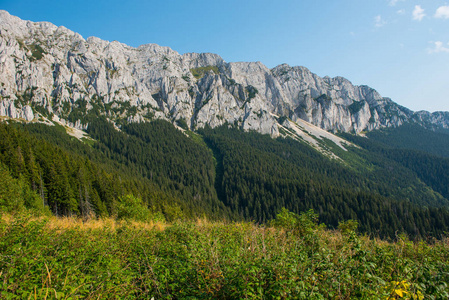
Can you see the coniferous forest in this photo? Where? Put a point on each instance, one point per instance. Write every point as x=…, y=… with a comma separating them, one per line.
x=223, y=174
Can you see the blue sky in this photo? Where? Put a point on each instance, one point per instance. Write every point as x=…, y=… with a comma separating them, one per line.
x=398, y=47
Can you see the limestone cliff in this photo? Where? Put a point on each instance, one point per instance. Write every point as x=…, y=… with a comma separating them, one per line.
x=51, y=72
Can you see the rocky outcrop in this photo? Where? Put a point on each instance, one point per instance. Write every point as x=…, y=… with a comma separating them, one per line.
x=50, y=71
x=439, y=119
x=9, y=109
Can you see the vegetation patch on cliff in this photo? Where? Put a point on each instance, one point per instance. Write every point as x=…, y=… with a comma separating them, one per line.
x=201, y=71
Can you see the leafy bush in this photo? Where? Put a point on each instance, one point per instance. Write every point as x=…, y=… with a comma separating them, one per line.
x=348, y=226
x=304, y=223
x=132, y=208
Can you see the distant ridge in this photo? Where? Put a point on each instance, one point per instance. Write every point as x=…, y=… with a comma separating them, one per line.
x=49, y=71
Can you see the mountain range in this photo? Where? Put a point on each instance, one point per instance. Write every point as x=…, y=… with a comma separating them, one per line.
x=51, y=72
x=94, y=127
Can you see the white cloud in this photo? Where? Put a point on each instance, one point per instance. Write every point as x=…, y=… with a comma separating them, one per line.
x=401, y=12
x=393, y=2
x=442, y=12
x=418, y=13
x=378, y=21
x=438, y=47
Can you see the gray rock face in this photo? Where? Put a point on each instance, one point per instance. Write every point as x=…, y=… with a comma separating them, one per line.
x=435, y=120
x=7, y=108
x=51, y=71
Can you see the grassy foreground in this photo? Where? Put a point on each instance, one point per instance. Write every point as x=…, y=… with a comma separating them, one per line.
x=51, y=258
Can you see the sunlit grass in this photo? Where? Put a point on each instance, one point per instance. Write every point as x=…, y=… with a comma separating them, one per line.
x=65, y=223
x=72, y=258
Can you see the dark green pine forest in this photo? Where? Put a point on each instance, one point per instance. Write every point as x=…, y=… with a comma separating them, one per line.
x=390, y=182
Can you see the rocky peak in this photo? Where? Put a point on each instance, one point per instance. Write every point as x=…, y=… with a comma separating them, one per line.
x=52, y=72
x=197, y=60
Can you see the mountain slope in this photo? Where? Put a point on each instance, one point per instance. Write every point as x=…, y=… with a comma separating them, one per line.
x=413, y=137
x=229, y=175
x=171, y=174
x=48, y=70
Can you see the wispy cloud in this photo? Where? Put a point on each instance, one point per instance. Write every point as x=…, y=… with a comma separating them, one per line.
x=379, y=22
x=418, y=13
x=401, y=12
x=393, y=2
x=442, y=12
x=438, y=47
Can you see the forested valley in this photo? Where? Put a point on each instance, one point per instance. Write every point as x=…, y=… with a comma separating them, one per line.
x=153, y=170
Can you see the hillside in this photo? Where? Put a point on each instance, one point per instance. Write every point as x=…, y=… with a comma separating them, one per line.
x=223, y=173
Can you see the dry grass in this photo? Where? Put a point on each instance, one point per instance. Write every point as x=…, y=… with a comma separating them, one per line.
x=7, y=218
x=67, y=223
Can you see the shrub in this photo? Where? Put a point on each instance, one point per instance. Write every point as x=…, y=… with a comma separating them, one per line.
x=132, y=208
x=348, y=226
x=304, y=223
